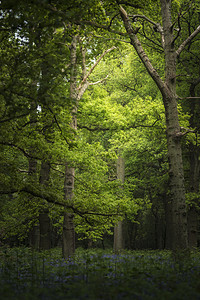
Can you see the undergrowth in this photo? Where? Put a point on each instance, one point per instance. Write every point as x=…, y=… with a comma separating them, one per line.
x=99, y=274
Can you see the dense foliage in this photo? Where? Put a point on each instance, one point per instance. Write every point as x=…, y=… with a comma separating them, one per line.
x=49, y=81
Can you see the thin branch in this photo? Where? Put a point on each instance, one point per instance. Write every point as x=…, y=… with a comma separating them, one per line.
x=152, y=41
x=58, y=125
x=105, y=27
x=141, y=53
x=112, y=20
x=118, y=128
x=181, y=98
x=143, y=17
x=113, y=39
x=15, y=117
x=179, y=30
x=84, y=22
x=26, y=154
x=95, y=64
x=156, y=26
x=182, y=14
x=51, y=198
x=129, y=4
x=93, y=128
x=99, y=81
x=182, y=46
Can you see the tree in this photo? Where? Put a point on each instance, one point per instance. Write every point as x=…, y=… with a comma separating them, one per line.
x=118, y=229
x=173, y=131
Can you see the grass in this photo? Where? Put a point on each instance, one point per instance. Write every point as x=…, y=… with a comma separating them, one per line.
x=98, y=274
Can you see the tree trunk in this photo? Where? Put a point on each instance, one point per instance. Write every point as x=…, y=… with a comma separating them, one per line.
x=45, y=230
x=176, y=176
x=44, y=220
x=68, y=246
x=118, y=229
x=176, y=173
x=34, y=234
x=34, y=237
x=76, y=93
x=168, y=243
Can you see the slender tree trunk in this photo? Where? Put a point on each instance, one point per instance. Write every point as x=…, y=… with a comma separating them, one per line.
x=34, y=234
x=68, y=247
x=118, y=229
x=76, y=93
x=168, y=243
x=44, y=220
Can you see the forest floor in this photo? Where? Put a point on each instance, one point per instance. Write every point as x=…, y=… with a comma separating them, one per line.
x=99, y=274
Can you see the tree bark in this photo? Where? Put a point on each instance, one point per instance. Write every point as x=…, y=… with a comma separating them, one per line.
x=34, y=234
x=118, y=229
x=68, y=246
x=44, y=220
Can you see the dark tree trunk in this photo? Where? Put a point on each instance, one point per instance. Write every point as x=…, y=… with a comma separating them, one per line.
x=68, y=247
x=168, y=225
x=118, y=229
x=44, y=220
x=34, y=237
x=34, y=234
x=45, y=230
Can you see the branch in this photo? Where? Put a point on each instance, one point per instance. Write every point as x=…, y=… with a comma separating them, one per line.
x=83, y=22
x=94, y=128
x=184, y=131
x=26, y=154
x=95, y=64
x=57, y=123
x=99, y=81
x=52, y=198
x=118, y=128
x=156, y=26
x=178, y=30
x=145, y=18
x=141, y=53
x=129, y=4
x=17, y=117
x=189, y=98
x=182, y=46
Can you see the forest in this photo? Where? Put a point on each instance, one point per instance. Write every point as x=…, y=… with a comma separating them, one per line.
x=99, y=133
